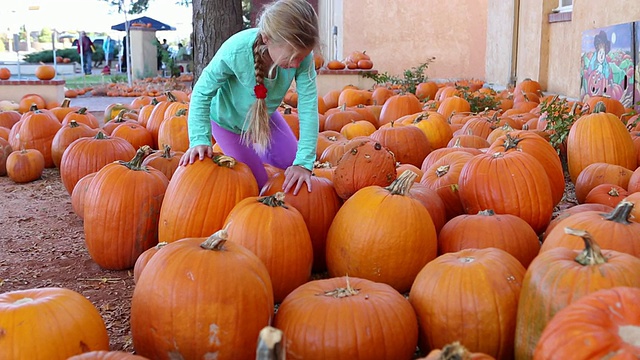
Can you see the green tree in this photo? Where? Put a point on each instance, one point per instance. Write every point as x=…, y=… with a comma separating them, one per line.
x=45, y=35
x=213, y=23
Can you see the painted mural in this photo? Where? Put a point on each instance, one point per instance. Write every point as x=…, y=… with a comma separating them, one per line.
x=636, y=98
x=608, y=66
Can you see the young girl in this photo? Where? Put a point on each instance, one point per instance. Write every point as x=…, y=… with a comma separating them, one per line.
x=237, y=95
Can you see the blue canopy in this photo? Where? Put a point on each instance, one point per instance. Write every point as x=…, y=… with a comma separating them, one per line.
x=155, y=24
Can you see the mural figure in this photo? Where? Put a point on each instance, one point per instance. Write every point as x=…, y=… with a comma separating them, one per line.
x=607, y=63
x=636, y=98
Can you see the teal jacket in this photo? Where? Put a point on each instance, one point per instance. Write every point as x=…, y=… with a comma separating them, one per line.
x=224, y=94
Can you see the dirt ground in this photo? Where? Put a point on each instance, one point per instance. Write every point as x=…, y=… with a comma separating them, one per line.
x=42, y=245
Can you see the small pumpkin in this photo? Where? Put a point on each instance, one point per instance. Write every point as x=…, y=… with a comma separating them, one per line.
x=45, y=72
x=5, y=73
x=25, y=165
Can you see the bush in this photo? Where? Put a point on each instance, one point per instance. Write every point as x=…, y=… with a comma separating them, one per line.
x=46, y=56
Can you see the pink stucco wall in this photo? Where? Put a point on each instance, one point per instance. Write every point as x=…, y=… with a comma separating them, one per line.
x=402, y=34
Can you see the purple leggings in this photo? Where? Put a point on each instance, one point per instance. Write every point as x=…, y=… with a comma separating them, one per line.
x=281, y=151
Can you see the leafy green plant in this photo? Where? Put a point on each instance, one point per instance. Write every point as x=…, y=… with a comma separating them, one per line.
x=478, y=102
x=409, y=80
x=559, y=116
x=46, y=56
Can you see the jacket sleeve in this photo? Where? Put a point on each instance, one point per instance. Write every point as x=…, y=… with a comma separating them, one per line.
x=307, y=113
x=199, y=119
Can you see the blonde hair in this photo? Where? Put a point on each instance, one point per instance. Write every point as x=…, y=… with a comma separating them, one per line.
x=293, y=22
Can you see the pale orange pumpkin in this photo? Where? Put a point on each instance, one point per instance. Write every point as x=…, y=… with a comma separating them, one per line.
x=25, y=165
x=45, y=72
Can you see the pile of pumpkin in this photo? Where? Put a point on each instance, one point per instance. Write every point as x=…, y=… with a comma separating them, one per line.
x=410, y=197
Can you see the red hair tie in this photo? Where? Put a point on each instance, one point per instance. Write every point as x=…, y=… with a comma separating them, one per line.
x=261, y=91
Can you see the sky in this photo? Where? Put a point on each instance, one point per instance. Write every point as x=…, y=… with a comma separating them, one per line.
x=89, y=15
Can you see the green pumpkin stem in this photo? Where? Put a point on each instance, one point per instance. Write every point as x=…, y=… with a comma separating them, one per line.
x=599, y=108
x=620, y=213
x=224, y=160
x=216, y=241
x=591, y=255
x=403, y=183
x=82, y=111
x=275, y=200
x=100, y=136
x=181, y=112
x=73, y=124
x=136, y=163
x=342, y=292
x=510, y=142
x=65, y=103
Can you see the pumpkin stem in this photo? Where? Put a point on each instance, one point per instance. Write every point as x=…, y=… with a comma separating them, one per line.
x=154, y=101
x=135, y=164
x=73, y=124
x=613, y=192
x=403, y=183
x=33, y=107
x=457, y=143
x=599, y=108
x=270, y=344
x=82, y=111
x=100, y=136
x=181, y=112
x=442, y=170
x=454, y=351
x=422, y=116
x=65, y=103
x=510, y=142
x=224, y=160
x=23, y=301
x=322, y=165
x=275, y=200
x=171, y=97
x=591, y=255
x=487, y=212
x=620, y=213
x=160, y=245
x=166, y=151
x=287, y=110
x=119, y=117
x=216, y=241
x=342, y=292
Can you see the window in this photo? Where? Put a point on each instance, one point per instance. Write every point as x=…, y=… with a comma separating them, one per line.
x=564, y=6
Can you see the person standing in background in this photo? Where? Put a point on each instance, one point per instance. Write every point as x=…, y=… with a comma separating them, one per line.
x=85, y=49
x=108, y=48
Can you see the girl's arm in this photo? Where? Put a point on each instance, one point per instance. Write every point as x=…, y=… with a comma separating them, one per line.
x=307, y=113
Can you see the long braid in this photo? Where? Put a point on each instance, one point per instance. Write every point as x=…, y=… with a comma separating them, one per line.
x=258, y=129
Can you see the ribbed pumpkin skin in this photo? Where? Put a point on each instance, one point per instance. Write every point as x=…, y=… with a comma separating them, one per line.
x=611, y=235
x=200, y=196
x=121, y=212
x=486, y=229
x=408, y=143
x=443, y=176
x=600, y=173
x=56, y=324
x=65, y=136
x=318, y=208
x=555, y=280
x=599, y=137
x=87, y=155
x=589, y=329
x=278, y=235
x=565, y=213
x=36, y=130
x=381, y=237
x=509, y=183
x=376, y=323
x=106, y=355
x=190, y=302
x=166, y=161
x=469, y=296
x=539, y=148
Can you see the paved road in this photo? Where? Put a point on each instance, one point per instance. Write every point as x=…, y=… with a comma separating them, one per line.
x=99, y=103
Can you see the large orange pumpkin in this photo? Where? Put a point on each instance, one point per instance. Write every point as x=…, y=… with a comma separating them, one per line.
x=601, y=325
x=201, y=296
x=121, y=221
x=278, y=235
x=469, y=296
x=347, y=318
x=366, y=163
x=509, y=183
x=89, y=154
x=561, y=276
x=382, y=234
x=398, y=106
x=408, y=143
x=65, y=136
x=599, y=137
x=36, y=130
x=67, y=320
x=318, y=208
x=204, y=193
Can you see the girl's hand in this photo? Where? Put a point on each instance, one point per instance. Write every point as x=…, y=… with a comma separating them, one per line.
x=199, y=152
x=296, y=175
